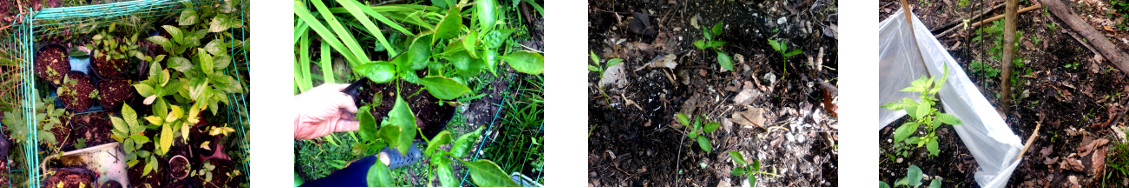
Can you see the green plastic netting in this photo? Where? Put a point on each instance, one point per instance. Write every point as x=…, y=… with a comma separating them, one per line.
x=34, y=26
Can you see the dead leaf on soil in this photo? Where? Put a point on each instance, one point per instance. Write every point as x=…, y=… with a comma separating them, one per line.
x=666, y=61
x=1050, y=161
x=1098, y=161
x=750, y=118
x=1089, y=147
x=614, y=76
x=1072, y=164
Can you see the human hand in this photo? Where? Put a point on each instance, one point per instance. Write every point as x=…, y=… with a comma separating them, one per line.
x=324, y=110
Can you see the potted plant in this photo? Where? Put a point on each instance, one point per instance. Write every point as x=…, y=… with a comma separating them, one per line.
x=113, y=92
x=111, y=54
x=52, y=63
x=70, y=177
x=179, y=167
x=77, y=91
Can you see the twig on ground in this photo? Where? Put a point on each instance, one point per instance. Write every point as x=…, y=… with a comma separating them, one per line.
x=1030, y=140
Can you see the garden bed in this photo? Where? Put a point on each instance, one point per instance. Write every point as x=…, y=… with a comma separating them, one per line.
x=1060, y=84
x=132, y=80
x=778, y=118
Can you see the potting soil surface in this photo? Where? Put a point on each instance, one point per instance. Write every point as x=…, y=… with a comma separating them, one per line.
x=770, y=108
x=1061, y=84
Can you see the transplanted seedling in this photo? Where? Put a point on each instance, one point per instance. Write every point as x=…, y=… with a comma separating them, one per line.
x=595, y=66
x=922, y=114
x=712, y=42
x=698, y=130
x=782, y=48
x=744, y=168
x=912, y=179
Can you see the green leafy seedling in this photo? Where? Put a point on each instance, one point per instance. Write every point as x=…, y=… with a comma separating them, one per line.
x=912, y=179
x=712, y=42
x=782, y=48
x=595, y=66
x=746, y=169
x=698, y=130
x=922, y=113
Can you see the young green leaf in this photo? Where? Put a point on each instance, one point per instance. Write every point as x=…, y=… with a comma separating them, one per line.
x=738, y=158
x=905, y=131
x=443, y=87
x=614, y=61
x=595, y=59
x=378, y=71
x=753, y=180
x=717, y=29
x=775, y=45
x=724, y=60
x=368, y=127
x=526, y=62
x=465, y=142
x=402, y=116
x=704, y=144
x=485, y=173
x=486, y=16
x=683, y=119
x=710, y=127
x=379, y=176
x=932, y=146
x=701, y=44
x=948, y=119
x=446, y=175
x=936, y=183
x=439, y=139
x=450, y=26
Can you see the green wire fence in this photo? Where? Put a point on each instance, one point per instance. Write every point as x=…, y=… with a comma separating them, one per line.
x=34, y=26
x=491, y=134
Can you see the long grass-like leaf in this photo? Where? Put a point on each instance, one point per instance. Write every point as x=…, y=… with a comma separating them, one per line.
x=303, y=76
x=300, y=29
x=344, y=34
x=351, y=6
x=304, y=14
x=327, y=64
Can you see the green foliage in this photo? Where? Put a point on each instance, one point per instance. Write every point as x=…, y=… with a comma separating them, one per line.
x=922, y=114
x=782, y=48
x=595, y=66
x=713, y=42
x=983, y=69
x=1121, y=7
x=46, y=115
x=746, y=169
x=912, y=179
x=1118, y=163
x=698, y=130
x=1074, y=65
x=108, y=47
x=129, y=130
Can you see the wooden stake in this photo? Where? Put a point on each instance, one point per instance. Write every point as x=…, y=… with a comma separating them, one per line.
x=1010, y=16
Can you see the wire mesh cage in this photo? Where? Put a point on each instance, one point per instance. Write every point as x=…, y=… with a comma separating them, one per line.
x=35, y=27
x=506, y=130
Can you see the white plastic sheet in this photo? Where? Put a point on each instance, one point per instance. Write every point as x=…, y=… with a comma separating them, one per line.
x=985, y=134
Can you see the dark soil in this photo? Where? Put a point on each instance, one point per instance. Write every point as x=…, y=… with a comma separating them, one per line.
x=52, y=64
x=112, y=184
x=1076, y=105
x=93, y=128
x=105, y=66
x=431, y=117
x=157, y=178
x=63, y=135
x=113, y=92
x=634, y=138
x=71, y=178
x=179, y=167
x=75, y=91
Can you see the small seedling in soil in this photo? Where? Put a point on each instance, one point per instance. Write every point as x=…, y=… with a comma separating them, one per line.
x=922, y=113
x=698, y=131
x=69, y=178
x=595, y=66
x=113, y=92
x=76, y=90
x=712, y=42
x=52, y=64
x=110, y=53
x=782, y=48
x=912, y=179
x=745, y=169
x=180, y=167
x=981, y=68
